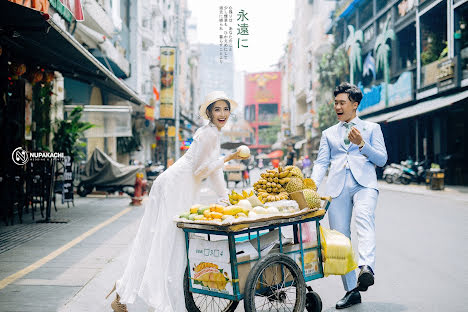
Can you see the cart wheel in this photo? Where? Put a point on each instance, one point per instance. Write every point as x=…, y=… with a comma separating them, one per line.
x=275, y=283
x=201, y=303
x=313, y=301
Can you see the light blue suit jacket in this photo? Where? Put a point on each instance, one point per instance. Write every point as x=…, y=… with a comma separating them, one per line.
x=334, y=153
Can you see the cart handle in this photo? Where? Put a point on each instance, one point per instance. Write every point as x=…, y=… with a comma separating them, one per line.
x=328, y=199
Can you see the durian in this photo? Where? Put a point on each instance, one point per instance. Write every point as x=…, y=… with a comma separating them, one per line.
x=294, y=185
x=312, y=198
x=310, y=184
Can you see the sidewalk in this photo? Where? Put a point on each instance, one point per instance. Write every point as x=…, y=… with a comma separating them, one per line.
x=91, y=297
x=459, y=193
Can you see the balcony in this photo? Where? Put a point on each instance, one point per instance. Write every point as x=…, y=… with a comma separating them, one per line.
x=97, y=18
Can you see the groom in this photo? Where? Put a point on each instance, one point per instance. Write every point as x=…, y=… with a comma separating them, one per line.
x=352, y=148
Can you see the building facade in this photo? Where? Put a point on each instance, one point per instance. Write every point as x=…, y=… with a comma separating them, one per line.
x=262, y=108
x=414, y=76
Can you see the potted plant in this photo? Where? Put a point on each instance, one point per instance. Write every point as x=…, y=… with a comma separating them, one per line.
x=67, y=138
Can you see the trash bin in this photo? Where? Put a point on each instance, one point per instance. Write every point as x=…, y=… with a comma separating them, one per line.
x=435, y=179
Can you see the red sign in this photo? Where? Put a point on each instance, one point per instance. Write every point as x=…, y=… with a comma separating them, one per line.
x=263, y=88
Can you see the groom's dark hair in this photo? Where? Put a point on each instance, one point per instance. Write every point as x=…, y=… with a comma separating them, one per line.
x=354, y=93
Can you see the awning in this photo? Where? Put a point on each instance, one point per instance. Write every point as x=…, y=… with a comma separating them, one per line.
x=33, y=36
x=299, y=144
x=381, y=117
x=428, y=106
x=110, y=120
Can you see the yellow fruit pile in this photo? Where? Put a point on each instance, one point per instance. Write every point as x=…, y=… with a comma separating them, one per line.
x=276, y=184
x=234, y=197
x=271, y=185
x=214, y=212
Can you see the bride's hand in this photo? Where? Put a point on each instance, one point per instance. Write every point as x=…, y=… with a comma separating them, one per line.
x=234, y=155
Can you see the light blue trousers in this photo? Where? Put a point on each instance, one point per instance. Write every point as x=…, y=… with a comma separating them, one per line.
x=363, y=201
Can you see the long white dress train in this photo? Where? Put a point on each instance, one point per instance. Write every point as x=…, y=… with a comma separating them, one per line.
x=157, y=261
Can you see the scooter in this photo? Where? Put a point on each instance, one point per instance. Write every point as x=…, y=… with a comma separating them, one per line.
x=391, y=174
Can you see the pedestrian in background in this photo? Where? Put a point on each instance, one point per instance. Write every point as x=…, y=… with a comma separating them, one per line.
x=290, y=159
x=352, y=148
x=306, y=166
x=157, y=262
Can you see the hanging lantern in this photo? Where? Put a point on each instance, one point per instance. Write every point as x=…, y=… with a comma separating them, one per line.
x=17, y=70
x=49, y=76
x=36, y=76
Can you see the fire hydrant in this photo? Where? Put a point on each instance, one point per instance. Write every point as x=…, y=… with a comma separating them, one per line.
x=140, y=189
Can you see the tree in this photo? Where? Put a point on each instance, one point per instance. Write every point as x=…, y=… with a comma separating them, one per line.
x=332, y=70
x=353, y=45
x=381, y=51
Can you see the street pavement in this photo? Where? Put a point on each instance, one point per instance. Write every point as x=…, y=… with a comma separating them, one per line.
x=421, y=255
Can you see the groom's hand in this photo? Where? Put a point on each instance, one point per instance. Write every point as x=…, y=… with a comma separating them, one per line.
x=355, y=136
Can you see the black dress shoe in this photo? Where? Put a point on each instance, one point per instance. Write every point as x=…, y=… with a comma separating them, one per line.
x=351, y=298
x=365, y=279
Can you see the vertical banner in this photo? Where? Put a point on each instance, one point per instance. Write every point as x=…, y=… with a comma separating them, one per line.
x=167, y=95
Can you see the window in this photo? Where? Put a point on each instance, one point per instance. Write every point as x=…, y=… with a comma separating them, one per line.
x=249, y=113
x=381, y=4
x=461, y=36
x=406, y=41
x=433, y=42
x=339, y=32
x=267, y=112
x=366, y=12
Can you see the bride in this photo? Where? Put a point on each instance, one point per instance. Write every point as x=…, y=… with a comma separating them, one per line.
x=157, y=262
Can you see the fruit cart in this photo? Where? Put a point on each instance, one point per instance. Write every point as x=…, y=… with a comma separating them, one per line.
x=220, y=274
x=233, y=173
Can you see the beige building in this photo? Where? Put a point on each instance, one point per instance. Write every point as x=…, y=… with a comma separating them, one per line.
x=307, y=42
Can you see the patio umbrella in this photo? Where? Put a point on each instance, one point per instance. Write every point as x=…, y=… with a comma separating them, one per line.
x=232, y=145
x=276, y=154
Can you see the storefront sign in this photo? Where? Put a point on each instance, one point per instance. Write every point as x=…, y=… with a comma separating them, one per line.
x=167, y=95
x=149, y=112
x=447, y=74
x=67, y=189
x=398, y=93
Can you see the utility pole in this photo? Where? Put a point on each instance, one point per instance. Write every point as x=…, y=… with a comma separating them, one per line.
x=176, y=84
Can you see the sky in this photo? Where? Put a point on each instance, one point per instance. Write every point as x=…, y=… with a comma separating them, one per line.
x=268, y=26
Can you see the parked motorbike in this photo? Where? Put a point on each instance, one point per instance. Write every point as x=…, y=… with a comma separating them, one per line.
x=413, y=172
x=391, y=174
x=102, y=173
x=406, y=172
